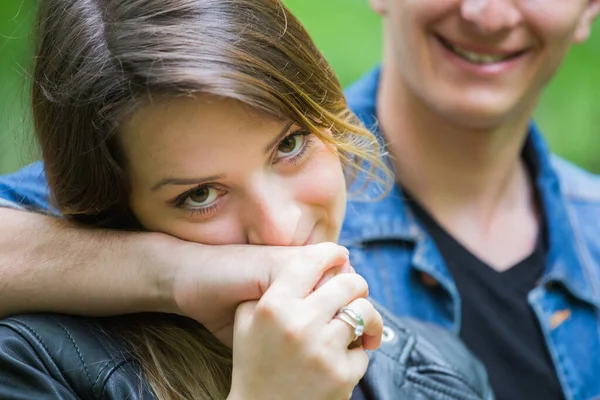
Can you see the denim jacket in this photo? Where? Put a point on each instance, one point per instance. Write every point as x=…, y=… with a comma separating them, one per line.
x=390, y=248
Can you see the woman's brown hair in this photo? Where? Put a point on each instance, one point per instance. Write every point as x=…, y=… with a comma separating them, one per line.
x=97, y=61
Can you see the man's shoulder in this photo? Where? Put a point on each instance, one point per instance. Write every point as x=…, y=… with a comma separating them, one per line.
x=26, y=188
x=580, y=191
x=362, y=95
x=578, y=186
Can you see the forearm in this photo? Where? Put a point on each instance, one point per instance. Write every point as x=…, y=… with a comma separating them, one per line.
x=47, y=264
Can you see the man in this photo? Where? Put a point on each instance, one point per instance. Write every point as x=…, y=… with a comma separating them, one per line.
x=486, y=233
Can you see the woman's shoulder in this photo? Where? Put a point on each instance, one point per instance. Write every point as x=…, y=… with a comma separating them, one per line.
x=48, y=356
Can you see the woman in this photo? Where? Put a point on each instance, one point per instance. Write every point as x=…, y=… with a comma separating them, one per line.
x=218, y=122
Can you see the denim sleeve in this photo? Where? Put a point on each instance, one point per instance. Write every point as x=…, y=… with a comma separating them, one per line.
x=26, y=189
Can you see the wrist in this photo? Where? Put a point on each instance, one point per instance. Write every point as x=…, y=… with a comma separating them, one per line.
x=163, y=266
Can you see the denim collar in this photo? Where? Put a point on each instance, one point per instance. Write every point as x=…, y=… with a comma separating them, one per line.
x=390, y=219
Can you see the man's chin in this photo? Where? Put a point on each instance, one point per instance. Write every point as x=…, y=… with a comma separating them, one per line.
x=479, y=116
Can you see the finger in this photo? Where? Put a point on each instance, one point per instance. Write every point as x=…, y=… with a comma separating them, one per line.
x=358, y=360
x=243, y=317
x=373, y=325
x=336, y=293
x=345, y=268
x=302, y=274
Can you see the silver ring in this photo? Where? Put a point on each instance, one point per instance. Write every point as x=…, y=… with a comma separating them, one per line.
x=353, y=319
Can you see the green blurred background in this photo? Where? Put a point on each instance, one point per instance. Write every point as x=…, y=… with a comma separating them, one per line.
x=349, y=35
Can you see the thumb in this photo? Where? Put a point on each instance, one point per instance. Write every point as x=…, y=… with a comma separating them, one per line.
x=243, y=317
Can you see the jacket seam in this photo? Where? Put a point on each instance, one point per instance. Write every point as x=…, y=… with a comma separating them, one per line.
x=117, y=366
x=33, y=332
x=99, y=374
x=113, y=364
x=87, y=374
x=435, y=387
x=456, y=375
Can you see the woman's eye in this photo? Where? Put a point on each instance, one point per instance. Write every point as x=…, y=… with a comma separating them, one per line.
x=291, y=145
x=202, y=196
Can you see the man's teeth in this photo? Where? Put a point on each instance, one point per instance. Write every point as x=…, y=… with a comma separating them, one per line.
x=479, y=58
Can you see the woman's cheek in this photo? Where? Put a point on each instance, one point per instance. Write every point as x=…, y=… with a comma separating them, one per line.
x=321, y=181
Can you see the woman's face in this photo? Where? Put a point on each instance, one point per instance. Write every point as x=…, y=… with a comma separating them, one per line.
x=214, y=171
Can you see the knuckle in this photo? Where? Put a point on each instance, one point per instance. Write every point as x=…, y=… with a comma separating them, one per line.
x=353, y=373
x=294, y=334
x=244, y=309
x=325, y=363
x=365, y=306
x=363, y=364
x=313, y=249
x=327, y=246
x=372, y=317
x=316, y=360
x=293, y=331
x=267, y=310
x=361, y=284
x=340, y=376
x=354, y=283
x=327, y=249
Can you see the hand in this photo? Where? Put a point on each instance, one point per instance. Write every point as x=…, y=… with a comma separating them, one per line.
x=209, y=282
x=289, y=345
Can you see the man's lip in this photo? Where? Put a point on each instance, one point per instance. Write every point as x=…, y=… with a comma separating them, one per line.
x=481, y=49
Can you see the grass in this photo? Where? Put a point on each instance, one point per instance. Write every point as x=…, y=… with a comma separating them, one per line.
x=349, y=35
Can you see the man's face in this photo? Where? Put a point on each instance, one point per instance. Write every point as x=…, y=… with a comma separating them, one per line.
x=480, y=62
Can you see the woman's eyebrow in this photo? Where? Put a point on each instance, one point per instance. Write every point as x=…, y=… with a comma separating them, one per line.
x=185, y=181
x=199, y=181
x=271, y=146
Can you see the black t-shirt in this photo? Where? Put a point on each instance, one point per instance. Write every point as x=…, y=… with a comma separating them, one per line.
x=498, y=325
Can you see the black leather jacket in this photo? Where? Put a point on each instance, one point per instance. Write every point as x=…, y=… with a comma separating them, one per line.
x=51, y=356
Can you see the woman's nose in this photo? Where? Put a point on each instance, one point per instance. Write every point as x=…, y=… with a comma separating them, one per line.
x=491, y=16
x=273, y=217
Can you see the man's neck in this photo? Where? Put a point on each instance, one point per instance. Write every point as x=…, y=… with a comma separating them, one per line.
x=472, y=181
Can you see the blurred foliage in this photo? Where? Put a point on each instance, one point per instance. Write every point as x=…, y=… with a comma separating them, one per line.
x=16, y=142
x=349, y=35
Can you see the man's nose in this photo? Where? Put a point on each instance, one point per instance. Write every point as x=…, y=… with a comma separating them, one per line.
x=273, y=217
x=491, y=16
